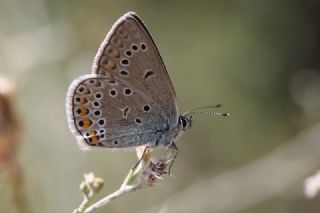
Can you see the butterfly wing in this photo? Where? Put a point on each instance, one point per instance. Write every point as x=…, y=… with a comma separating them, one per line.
x=129, y=99
x=129, y=52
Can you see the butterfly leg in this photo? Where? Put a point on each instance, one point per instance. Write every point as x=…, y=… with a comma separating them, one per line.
x=172, y=147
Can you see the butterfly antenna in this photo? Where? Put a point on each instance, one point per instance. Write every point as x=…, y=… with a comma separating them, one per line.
x=210, y=113
x=195, y=111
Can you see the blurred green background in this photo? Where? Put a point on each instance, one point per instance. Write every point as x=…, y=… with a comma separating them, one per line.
x=259, y=59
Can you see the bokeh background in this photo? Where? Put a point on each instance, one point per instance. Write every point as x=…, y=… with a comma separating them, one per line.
x=260, y=59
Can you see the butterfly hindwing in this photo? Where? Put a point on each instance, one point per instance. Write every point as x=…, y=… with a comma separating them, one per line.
x=113, y=114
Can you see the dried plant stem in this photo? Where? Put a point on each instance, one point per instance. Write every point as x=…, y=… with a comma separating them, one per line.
x=84, y=205
x=146, y=173
x=111, y=197
x=129, y=184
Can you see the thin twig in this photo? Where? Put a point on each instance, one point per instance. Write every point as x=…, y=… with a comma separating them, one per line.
x=146, y=173
x=127, y=186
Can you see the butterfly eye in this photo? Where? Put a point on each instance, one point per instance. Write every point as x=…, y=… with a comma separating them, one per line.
x=184, y=123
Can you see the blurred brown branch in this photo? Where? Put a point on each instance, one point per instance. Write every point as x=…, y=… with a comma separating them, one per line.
x=10, y=134
x=254, y=183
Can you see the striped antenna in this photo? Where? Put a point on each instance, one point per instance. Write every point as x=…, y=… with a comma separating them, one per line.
x=195, y=111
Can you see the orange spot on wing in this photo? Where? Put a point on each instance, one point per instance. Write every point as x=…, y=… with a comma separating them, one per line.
x=83, y=111
x=83, y=100
x=86, y=91
x=93, y=137
x=86, y=123
x=111, y=65
x=107, y=63
x=115, y=53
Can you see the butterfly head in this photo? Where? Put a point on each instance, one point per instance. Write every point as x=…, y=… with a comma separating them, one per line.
x=185, y=122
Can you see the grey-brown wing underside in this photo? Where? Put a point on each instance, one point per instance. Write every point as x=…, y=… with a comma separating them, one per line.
x=129, y=53
x=128, y=100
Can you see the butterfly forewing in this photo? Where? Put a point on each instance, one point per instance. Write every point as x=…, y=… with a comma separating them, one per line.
x=128, y=100
x=129, y=53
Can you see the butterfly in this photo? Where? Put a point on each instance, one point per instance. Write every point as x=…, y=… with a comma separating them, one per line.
x=128, y=100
